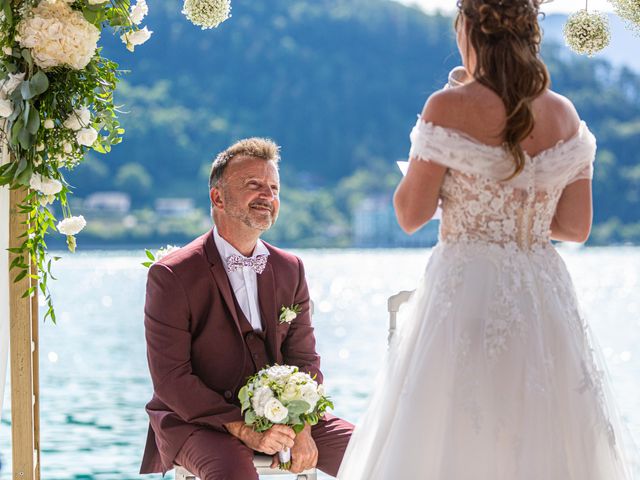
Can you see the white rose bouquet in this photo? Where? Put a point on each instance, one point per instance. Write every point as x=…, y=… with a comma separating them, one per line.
x=285, y=396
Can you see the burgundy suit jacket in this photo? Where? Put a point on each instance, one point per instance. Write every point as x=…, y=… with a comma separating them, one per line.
x=195, y=347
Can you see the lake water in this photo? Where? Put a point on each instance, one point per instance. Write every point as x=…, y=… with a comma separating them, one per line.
x=94, y=380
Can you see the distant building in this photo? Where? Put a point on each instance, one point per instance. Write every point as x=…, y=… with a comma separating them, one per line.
x=174, y=207
x=375, y=225
x=108, y=202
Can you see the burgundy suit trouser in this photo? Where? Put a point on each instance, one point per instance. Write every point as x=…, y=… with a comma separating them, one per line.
x=213, y=455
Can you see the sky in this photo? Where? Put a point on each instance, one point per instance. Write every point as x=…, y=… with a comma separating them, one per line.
x=557, y=6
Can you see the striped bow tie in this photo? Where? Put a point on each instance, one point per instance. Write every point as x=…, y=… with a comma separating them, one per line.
x=236, y=262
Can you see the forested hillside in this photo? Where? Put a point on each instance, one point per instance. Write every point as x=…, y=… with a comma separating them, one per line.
x=338, y=84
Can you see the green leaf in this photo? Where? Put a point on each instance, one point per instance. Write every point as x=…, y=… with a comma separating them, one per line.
x=25, y=177
x=25, y=90
x=8, y=13
x=20, y=276
x=33, y=120
x=39, y=83
x=147, y=264
x=297, y=407
x=250, y=417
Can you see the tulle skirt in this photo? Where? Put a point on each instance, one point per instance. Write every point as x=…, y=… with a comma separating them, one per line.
x=492, y=375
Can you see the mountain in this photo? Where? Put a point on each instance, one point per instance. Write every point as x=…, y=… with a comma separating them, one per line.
x=338, y=84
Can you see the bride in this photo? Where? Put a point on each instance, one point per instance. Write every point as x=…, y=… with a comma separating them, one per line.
x=494, y=374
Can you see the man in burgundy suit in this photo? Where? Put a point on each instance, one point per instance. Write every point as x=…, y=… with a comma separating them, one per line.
x=212, y=320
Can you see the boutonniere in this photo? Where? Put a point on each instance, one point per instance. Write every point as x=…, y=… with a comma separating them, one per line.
x=288, y=314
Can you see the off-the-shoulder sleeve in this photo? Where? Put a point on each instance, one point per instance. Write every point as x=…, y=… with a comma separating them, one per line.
x=453, y=149
x=587, y=156
x=573, y=159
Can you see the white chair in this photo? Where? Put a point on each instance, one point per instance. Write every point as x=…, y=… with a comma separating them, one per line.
x=393, y=306
x=263, y=466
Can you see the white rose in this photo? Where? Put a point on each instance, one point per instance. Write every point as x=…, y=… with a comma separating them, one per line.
x=139, y=11
x=47, y=199
x=11, y=83
x=71, y=225
x=87, y=136
x=40, y=147
x=6, y=107
x=45, y=185
x=289, y=316
x=137, y=37
x=309, y=393
x=67, y=148
x=7, y=50
x=49, y=124
x=275, y=412
x=291, y=392
x=321, y=390
x=259, y=400
x=96, y=2
x=78, y=119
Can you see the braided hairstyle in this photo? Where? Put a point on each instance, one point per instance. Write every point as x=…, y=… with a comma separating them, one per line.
x=506, y=36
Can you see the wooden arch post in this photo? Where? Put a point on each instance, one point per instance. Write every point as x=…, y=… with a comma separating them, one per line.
x=24, y=351
x=24, y=359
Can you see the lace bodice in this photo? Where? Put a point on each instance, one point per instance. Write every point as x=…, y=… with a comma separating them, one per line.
x=479, y=206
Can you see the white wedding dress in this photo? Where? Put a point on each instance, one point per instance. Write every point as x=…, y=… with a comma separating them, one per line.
x=493, y=374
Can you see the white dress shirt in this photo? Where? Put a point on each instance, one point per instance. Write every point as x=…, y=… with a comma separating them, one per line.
x=244, y=282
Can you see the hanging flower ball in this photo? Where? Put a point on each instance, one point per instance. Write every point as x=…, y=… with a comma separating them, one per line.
x=587, y=32
x=629, y=10
x=207, y=13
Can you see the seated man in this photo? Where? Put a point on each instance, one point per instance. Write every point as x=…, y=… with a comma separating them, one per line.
x=212, y=320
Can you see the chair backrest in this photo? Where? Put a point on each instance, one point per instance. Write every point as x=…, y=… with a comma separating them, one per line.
x=393, y=305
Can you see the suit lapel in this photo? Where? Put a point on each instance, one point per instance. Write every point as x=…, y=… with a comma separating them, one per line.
x=221, y=278
x=268, y=308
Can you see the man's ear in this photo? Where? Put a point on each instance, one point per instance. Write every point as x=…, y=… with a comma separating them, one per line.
x=216, y=198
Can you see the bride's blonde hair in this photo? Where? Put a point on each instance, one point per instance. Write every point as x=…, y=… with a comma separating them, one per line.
x=506, y=36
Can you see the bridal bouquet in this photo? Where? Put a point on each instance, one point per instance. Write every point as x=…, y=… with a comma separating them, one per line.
x=285, y=396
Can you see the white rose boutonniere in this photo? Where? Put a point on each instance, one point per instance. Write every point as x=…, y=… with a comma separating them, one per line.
x=288, y=314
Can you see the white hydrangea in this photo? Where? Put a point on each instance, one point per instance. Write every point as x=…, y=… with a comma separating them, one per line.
x=87, y=136
x=275, y=412
x=207, y=13
x=139, y=11
x=587, y=32
x=72, y=225
x=135, y=38
x=57, y=35
x=45, y=185
x=259, y=400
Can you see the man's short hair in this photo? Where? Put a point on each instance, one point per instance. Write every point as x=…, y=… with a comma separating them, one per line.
x=263, y=148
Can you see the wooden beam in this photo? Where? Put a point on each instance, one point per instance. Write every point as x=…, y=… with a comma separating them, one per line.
x=24, y=401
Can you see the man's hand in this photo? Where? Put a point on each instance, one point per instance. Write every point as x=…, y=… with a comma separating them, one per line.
x=270, y=442
x=304, y=453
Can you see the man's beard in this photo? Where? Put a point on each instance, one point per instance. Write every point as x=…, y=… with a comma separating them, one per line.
x=250, y=217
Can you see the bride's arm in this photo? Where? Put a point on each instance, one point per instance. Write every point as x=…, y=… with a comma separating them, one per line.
x=416, y=198
x=574, y=213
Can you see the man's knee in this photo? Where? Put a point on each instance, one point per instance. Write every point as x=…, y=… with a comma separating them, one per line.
x=230, y=469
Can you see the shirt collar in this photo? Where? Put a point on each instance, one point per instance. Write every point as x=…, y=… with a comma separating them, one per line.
x=226, y=249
